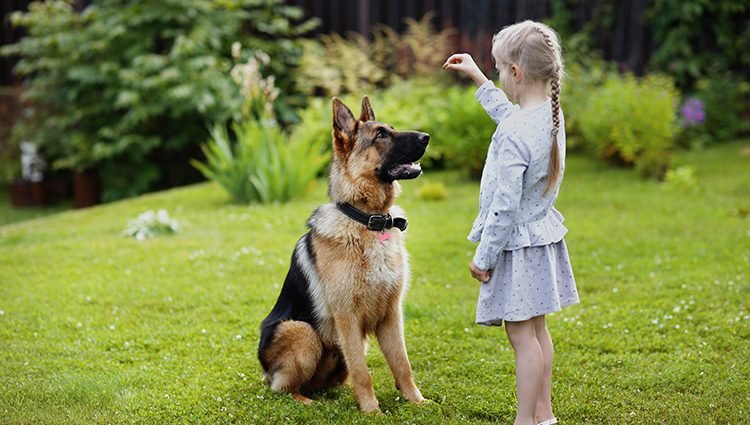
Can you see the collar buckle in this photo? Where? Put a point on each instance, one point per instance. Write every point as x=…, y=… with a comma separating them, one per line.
x=379, y=222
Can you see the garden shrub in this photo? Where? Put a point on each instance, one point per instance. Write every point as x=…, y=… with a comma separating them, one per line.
x=633, y=121
x=582, y=78
x=463, y=129
x=682, y=178
x=432, y=191
x=128, y=87
x=337, y=65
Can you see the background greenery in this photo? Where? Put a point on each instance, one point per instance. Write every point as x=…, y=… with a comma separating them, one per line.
x=129, y=88
x=132, y=90
x=98, y=328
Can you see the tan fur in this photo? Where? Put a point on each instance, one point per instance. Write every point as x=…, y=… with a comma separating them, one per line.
x=358, y=282
x=296, y=351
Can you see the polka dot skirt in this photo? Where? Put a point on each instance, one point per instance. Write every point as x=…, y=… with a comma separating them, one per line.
x=526, y=283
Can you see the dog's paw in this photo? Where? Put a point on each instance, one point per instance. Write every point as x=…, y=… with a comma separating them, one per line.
x=415, y=397
x=302, y=399
x=376, y=412
x=370, y=407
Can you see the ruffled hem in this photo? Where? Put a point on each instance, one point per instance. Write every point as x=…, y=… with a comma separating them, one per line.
x=548, y=230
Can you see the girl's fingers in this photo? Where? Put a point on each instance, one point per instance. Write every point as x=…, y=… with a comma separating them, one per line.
x=448, y=63
x=454, y=59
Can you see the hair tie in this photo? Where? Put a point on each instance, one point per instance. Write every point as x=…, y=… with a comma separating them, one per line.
x=555, y=130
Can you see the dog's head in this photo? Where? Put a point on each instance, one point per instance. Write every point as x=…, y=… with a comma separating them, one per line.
x=373, y=149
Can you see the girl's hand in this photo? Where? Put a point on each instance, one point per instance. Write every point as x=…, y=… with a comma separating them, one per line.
x=479, y=274
x=464, y=63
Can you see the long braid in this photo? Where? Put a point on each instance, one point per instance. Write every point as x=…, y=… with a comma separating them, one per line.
x=553, y=172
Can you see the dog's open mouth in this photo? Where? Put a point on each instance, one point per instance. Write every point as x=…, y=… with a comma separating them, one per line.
x=410, y=170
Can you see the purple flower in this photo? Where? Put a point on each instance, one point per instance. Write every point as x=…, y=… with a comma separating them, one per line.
x=693, y=112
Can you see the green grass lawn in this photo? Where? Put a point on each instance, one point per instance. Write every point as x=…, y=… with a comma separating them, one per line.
x=97, y=328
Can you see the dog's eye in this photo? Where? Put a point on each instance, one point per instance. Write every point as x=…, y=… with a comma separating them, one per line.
x=381, y=134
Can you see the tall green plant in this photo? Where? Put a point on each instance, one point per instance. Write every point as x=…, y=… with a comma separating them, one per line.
x=263, y=165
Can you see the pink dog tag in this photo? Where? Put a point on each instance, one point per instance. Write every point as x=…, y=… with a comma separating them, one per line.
x=384, y=236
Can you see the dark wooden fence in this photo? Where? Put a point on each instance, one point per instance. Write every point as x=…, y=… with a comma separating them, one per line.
x=626, y=41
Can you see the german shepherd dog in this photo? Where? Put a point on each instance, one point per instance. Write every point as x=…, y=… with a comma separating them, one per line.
x=349, y=272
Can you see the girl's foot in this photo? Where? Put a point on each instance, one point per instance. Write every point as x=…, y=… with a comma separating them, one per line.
x=552, y=421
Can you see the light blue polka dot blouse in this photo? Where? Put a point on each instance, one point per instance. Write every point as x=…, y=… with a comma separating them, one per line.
x=514, y=211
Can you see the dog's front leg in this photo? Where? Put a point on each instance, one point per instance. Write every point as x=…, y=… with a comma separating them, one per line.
x=390, y=335
x=351, y=341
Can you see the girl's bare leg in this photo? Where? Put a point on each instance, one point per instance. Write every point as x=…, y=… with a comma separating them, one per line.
x=529, y=368
x=544, y=398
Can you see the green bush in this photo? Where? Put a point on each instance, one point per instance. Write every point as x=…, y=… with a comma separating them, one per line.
x=463, y=129
x=128, y=87
x=681, y=178
x=581, y=80
x=339, y=65
x=263, y=166
x=633, y=121
x=429, y=191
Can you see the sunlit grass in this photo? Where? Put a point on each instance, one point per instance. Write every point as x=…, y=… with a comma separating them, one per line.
x=98, y=328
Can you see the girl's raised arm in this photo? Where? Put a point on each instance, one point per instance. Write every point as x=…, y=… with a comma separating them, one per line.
x=492, y=99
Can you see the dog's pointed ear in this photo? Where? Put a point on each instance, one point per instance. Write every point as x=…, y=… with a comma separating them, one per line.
x=343, y=126
x=367, y=112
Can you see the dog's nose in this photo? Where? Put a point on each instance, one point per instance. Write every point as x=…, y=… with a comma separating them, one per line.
x=424, y=139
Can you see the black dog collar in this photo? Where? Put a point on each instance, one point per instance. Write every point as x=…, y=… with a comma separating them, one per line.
x=378, y=222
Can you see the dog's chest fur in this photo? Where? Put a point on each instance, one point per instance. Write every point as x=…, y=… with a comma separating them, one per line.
x=355, y=269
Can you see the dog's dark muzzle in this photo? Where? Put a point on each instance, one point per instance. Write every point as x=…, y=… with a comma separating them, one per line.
x=408, y=148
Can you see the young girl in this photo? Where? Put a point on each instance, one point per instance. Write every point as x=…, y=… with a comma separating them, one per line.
x=522, y=260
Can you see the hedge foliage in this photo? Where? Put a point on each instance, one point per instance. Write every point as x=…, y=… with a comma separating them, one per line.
x=633, y=121
x=126, y=87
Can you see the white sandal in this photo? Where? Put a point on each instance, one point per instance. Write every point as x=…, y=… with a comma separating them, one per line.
x=552, y=421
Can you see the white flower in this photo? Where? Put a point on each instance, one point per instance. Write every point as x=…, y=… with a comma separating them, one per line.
x=162, y=216
x=148, y=216
x=150, y=224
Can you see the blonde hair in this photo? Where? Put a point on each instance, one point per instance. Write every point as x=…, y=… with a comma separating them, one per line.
x=535, y=48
